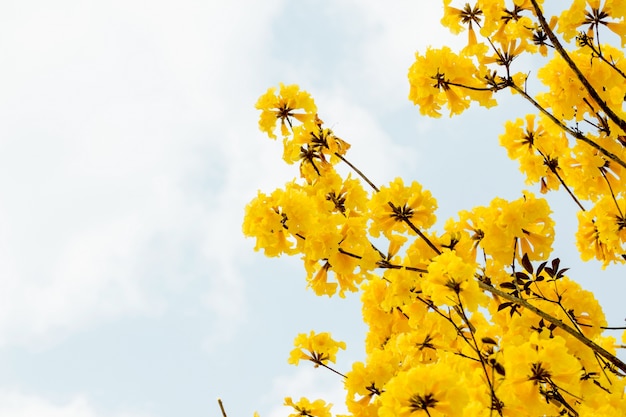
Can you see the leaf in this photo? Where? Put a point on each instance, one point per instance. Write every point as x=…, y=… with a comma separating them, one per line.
x=489, y=341
x=499, y=369
x=561, y=272
x=505, y=305
x=521, y=277
x=543, y=265
x=528, y=266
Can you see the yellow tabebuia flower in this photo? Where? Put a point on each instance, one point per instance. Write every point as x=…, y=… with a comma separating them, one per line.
x=539, y=372
x=306, y=408
x=431, y=390
x=592, y=13
x=290, y=103
x=474, y=319
x=319, y=348
x=568, y=98
x=440, y=77
x=317, y=149
x=450, y=281
x=517, y=228
x=538, y=149
x=394, y=206
x=365, y=381
x=265, y=220
x=602, y=231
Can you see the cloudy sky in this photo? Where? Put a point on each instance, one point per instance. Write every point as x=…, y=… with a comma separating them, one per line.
x=128, y=149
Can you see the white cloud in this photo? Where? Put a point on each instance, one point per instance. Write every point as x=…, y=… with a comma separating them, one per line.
x=309, y=382
x=391, y=34
x=113, y=148
x=373, y=149
x=17, y=404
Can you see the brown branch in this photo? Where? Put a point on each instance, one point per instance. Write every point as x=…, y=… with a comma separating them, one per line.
x=590, y=90
x=219, y=401
x=371, y=184
x=572, y=132
x=600, y=55
x=393, y=207
x=558, y=323
x=416, y=230
x=558, y=176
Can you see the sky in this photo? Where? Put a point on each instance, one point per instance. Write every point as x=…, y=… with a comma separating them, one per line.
x=128, y=150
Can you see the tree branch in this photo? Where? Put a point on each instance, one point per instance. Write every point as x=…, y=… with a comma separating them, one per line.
x=590, y=90
x=558, y=323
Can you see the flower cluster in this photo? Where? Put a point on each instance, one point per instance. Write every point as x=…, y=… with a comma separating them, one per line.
x=318, y=348
x=476, y=317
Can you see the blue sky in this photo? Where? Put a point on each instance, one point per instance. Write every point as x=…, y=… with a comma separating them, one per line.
x=128, y=149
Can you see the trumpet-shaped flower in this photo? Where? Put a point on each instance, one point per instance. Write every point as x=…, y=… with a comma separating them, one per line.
x=305, y=408
x=440, y=77
x=433, y=390
x=396, y=206
x=450, y=281
x=319, y=348
x=288, y=105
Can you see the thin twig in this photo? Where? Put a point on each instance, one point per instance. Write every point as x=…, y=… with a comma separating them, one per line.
x=371, y=184
x=558, y=176
x=393, y=207
x=494, y=397
x=219, y=401
x=331, y=369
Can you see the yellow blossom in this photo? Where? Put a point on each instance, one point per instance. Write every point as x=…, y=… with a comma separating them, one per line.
x=431, y=390
x=450, y=280
x=441, y=77
x=319, y=348
x=395, y=206
x=306, y=408
x=288, y=105
x=519, y=227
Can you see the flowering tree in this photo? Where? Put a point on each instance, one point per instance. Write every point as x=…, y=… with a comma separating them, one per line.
x=479, y=319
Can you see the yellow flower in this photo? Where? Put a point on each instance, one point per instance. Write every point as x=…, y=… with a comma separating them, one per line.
x=567, y=97
x=319, y=348
x=571, y=19
x=396, y=205
x=516, y=228
x=367, y=380
x=265, y=220
x=306, y=408
x=432, y=390
x=602, y=232
x=316, y=149
x=440, y=76
x=290, y=103
x=591, y=13
x=537, y=149
x=537, y=368
x=451, y=278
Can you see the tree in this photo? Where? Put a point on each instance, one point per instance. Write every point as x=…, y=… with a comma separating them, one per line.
x=478, y=318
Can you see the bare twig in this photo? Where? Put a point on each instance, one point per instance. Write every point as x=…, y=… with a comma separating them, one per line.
x=219, y=401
